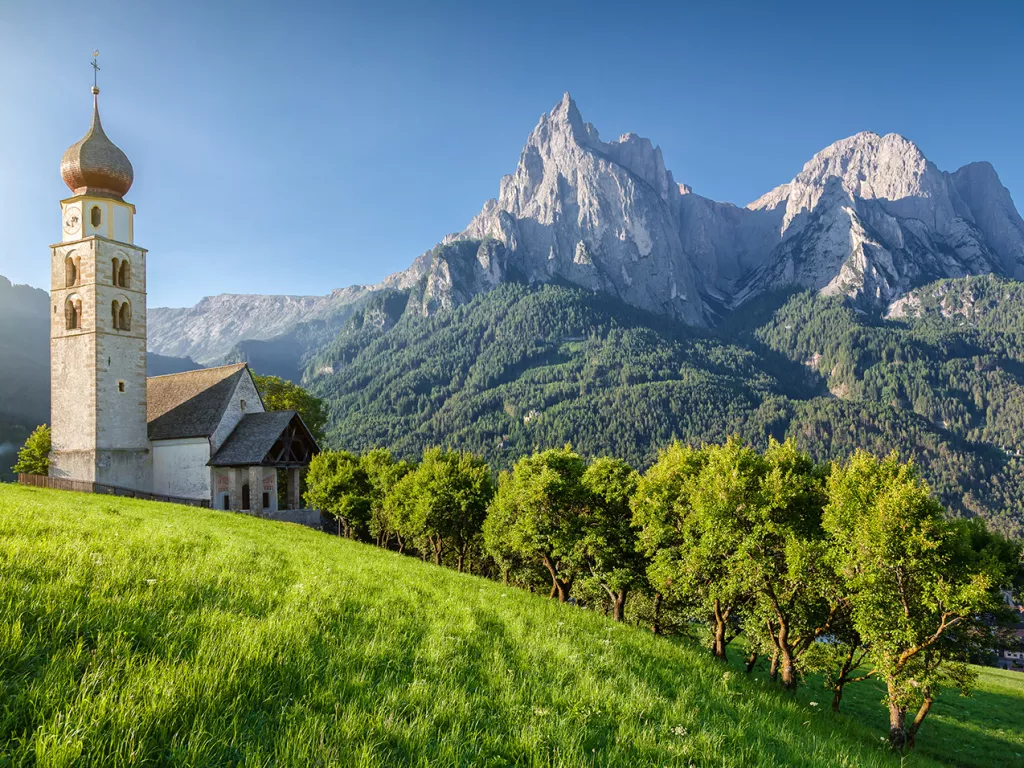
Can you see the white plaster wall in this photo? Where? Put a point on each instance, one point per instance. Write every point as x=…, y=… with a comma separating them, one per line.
x=179, y=467
x=245, y=390
x=122, y=221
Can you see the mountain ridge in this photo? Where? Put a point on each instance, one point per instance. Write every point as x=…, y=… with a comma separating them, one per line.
x=868, y=217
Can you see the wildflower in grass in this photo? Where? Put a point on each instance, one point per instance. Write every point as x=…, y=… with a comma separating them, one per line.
x=679, y=730
x=812, y=703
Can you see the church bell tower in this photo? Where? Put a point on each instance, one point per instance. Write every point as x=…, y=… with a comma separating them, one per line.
x=98, y=322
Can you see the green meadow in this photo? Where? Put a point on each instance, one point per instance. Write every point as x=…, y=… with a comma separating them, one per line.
x=144, y=634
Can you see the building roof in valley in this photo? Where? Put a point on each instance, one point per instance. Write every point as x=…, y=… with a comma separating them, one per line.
x=254, y=440
x=190, y=404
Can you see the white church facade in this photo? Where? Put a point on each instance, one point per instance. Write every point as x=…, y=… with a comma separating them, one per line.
x=201, y=435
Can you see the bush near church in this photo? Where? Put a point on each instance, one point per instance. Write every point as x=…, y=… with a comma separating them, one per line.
x=34, y=455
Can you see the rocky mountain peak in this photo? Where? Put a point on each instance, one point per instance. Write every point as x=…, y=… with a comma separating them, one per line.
x=869, y=217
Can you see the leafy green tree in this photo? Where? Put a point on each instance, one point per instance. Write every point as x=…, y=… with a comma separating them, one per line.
x=446, y=499
x=923, y=588
x=537, y=515
x=383, y=472
x=782, y=556
x=398, y=514
x=609, y=544
x=34, y=455
x=680, y=526
x=338, y=485
x=281, y=395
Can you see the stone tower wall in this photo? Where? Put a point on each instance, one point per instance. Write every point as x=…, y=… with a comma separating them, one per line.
x=98, y=372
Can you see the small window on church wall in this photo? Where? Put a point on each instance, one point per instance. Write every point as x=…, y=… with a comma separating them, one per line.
x=115, y=270
x=125, y=274
x=78, y=313
x=120, y=386
x=242, y=405
x=115, y=315
x=70, y=272
x=126, y=317
x=96, y=216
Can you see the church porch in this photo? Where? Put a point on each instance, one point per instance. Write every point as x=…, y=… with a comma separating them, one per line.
x=259, y=467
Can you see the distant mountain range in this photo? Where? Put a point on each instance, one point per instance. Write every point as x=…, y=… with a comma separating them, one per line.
x=868, y=217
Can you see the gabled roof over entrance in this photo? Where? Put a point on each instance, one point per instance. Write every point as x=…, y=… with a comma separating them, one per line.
x=271, y=439
x=190, y=404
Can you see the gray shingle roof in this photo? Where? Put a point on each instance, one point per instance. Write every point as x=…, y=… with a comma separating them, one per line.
x=252, y=439
x=190, y=404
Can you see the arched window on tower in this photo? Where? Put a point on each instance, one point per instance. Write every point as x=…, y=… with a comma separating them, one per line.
x=125, y=323
x=115, y=315
x=70, y=272
x=115, y=271
x=96, y=216
x=126, y=274
x=73, y=313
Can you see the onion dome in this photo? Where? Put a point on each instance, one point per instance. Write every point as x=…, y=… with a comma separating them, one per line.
x=94, y=165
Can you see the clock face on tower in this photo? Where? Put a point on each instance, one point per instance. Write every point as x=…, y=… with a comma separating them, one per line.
x=72, y=220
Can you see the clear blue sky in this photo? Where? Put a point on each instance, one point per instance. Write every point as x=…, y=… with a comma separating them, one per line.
x=296, y=147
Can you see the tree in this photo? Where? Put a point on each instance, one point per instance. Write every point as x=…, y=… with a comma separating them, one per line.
x=609, y=544
x=281, y=395
x=782, y=557
x=34, y=455
x=383, y=473
x=445, y=502
x=680, y=526
x=923, y=588
x=537, y=515
x=338, y=485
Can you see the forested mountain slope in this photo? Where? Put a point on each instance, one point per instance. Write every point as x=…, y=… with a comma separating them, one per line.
x=524, y=367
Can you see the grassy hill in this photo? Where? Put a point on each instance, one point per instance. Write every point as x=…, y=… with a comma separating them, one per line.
x=135, y=633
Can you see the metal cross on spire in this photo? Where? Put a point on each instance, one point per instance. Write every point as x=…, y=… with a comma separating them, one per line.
x=95, y=67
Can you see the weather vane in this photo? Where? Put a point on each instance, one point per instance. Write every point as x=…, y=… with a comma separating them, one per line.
x=95, y=67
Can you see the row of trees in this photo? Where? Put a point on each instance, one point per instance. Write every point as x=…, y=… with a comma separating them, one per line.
x=852, y=570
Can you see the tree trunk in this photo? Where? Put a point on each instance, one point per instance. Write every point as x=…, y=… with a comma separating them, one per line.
x=788, y=669
x=437, y=545
x=618, y=605
x=656, y=625
x=897, y=723
x=558, y=586
x=897, y=728
x=751, y=661
x=773, y=671
x=922, y=713
x=844, y=674
x=563, y=589
x=788, y=663
x=718, y=635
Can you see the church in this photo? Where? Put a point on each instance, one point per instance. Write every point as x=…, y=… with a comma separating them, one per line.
x=202, y=436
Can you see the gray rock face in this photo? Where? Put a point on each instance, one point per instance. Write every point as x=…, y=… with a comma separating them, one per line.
x=599, y=215
x=869, y=217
